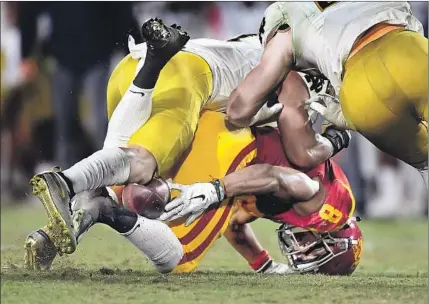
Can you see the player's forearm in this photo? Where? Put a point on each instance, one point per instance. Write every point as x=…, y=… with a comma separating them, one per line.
x=242, y=107
x=249, y=97
x=256, y=179
x=283, y=182
x=309, y=157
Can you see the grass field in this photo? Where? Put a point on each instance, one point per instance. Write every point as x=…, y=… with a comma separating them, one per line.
x=106, y=269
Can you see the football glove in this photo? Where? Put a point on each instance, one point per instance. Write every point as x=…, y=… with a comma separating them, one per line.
x=329, y=107
x=276, y=268
x=192, y=201
x=265, y=264
x=266, y=114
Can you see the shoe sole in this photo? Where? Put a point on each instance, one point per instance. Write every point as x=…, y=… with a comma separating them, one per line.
x=59, y=233
x=152, y=33
x=30, y=256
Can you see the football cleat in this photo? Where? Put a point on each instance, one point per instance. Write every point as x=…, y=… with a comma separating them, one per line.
x=87, y=207
x=39, y=251
x=53, y=192
x=165, y=40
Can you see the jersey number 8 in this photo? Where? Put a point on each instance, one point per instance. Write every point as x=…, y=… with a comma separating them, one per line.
x=330, y=214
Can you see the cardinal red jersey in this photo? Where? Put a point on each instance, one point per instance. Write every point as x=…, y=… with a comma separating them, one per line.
x=339, y=201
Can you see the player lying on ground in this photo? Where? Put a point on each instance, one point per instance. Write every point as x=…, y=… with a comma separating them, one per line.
x=201, y=76
x=216, y=152
x=376, y=58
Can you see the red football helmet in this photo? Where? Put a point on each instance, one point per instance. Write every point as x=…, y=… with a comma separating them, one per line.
x=332, y=253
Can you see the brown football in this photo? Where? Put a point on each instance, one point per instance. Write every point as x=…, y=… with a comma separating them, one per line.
x=147, y=200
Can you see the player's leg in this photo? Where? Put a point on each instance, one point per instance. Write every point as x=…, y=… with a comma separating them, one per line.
x=177, y=104
x=111, y=165
x=219, y=150
x=182, y=89
x=384, y=95
x=153, y=238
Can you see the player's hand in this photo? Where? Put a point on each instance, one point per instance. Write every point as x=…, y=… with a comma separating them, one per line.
x=266, y=114
x=277, y=268
x=192, y=201
x=329, y=107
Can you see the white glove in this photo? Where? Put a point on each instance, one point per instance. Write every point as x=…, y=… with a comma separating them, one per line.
x=193, y=200
x=137, y=51
x=266, y=114
x=276, y=268
x=328, y=106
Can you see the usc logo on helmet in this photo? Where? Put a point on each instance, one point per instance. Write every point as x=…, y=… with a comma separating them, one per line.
x=357, y=252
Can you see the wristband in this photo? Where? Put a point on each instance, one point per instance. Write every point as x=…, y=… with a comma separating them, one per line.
x=220, y=190
x=338, y=138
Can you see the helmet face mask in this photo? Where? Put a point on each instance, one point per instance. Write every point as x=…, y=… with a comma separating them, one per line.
x=307, y=251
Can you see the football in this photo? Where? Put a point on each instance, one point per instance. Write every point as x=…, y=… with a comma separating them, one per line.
x=147, y=200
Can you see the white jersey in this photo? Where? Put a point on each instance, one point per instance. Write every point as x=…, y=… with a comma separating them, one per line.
x=229, y=61
x=323, y=33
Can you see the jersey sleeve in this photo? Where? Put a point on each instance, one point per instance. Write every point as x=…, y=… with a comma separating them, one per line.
x=275, y=18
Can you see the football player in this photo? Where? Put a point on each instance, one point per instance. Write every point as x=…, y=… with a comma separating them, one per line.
x=169, y=86
x=181, y=245
x=376, y=58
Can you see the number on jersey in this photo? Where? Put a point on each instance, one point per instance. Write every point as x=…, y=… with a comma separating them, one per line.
x=330, y=214
x=322, y=5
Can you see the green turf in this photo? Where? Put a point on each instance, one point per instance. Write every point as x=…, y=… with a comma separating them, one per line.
x=106, y=269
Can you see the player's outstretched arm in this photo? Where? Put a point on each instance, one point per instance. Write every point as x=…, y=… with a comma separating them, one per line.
x=286, y=183
x=303, y=146
x=248, y=98
x=282, y=182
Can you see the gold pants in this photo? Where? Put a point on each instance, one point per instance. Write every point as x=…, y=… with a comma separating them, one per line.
x=215, y=152
x=384, y=95
x=183, y=88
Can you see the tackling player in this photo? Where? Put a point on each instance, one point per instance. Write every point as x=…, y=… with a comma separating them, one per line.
x=171, y=88
x=376, y=58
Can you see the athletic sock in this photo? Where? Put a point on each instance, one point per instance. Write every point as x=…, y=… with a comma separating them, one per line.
x=157, y=242
x=131, y=113
x=103, y=168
